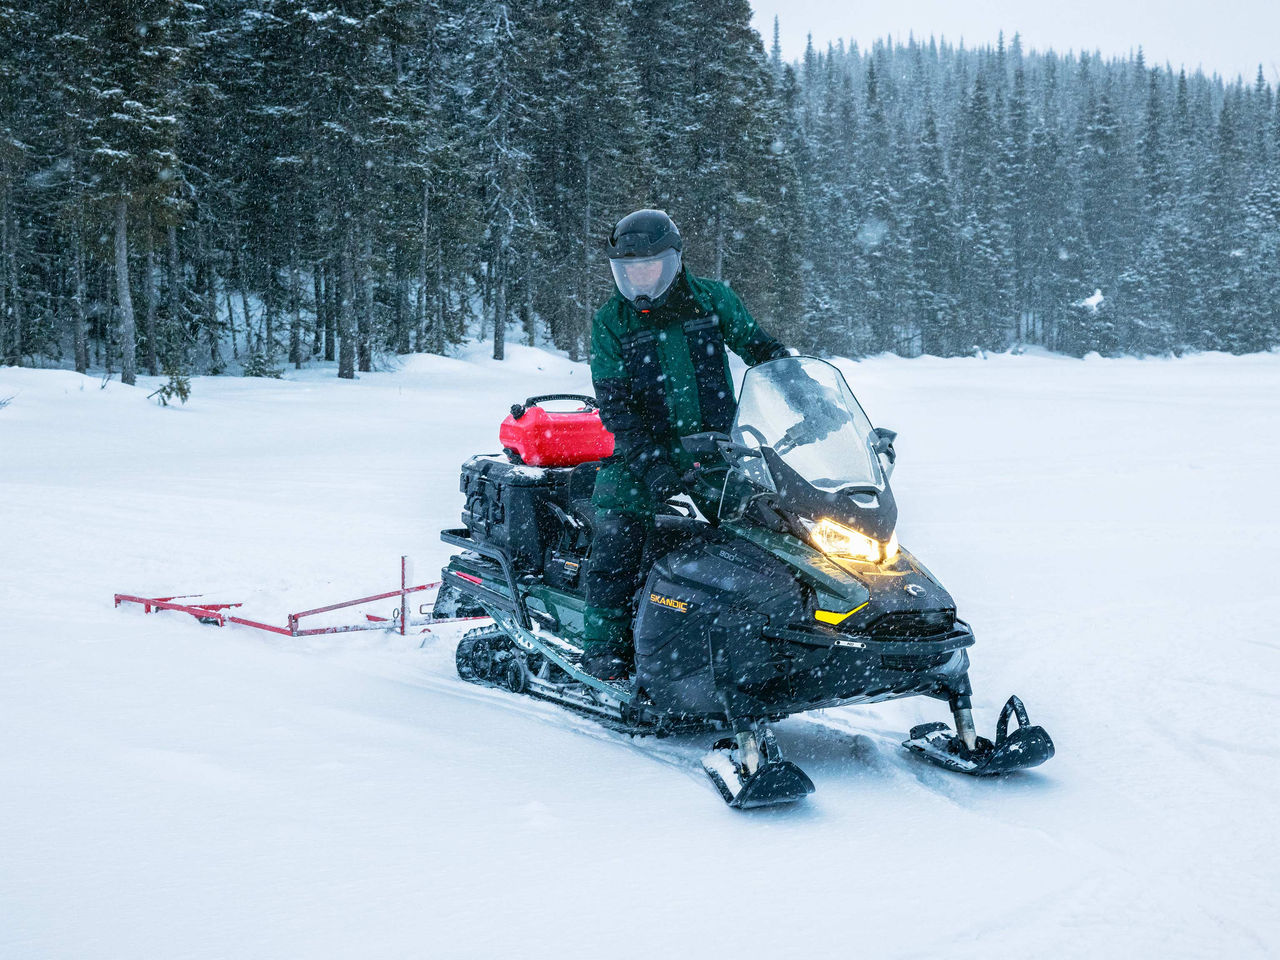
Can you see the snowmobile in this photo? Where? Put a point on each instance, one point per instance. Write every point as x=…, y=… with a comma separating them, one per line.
x=794, y=595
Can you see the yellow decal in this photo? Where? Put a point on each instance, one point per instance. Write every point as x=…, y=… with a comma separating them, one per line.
x=833, y=618
x=680, y=605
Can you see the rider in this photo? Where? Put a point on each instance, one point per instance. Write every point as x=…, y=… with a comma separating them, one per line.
x=660, y=372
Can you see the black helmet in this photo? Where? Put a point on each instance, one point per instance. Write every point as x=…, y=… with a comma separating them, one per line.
x=644, y=254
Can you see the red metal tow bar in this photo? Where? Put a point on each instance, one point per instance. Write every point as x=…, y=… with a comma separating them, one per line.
x=216, y=613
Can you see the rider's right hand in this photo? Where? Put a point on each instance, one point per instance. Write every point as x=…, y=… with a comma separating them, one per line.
x=664, y=483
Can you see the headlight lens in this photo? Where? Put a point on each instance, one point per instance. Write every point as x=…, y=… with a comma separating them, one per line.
x=837, y=540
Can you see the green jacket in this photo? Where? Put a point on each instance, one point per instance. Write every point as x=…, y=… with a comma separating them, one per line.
x=664, y=375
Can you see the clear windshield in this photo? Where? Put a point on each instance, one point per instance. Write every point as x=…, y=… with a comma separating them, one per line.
x=804, y=410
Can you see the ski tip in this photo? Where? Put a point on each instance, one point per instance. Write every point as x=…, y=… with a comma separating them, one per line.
x=1023, y=749
x=774, y=784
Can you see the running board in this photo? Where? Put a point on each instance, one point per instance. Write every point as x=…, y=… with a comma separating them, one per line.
x=566, y=695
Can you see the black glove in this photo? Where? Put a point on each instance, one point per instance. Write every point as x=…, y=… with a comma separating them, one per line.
x=663, y=481
x=762, y=348
x=777, y=351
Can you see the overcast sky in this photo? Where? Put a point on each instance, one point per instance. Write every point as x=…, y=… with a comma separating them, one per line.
x=1227, y=36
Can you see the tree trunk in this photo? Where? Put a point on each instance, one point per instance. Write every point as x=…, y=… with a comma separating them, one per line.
x=332, y=285
x=346, y=331
x=719, y=270
x=317, y=298
x=6, y=355
x=252, y=343
x=177, y=324
x=486, y=295
x=421, y=315
x=530, y=321
x=77, y=299
x=499, y=307
x=365, y=321
x=270, y=303
x=237, y=264
x=231, y=319
x=295, y=321
x=404, y=325
x=149, y=291
x=128, y=332
x=15, y=300
x=108, y=342
x=10, y=266
x=210, y=299
x=442, y=301
x=588, y=309
x=99, y=329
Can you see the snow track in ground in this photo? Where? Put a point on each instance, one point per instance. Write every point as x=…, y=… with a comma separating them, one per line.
x=170, y=789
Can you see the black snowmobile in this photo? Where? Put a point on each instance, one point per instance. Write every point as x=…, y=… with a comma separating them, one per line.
x=794, y=596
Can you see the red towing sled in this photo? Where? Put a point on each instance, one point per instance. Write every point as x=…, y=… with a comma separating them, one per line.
x=400, y=620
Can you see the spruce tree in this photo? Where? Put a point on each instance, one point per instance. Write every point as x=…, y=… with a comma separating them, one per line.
x=932, y=246
x=503, y=108
x=121, y=89
x=338, y=178
x=588, y=166
x=16, y=108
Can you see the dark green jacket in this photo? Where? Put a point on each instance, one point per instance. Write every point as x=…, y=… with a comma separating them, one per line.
x=664, y=375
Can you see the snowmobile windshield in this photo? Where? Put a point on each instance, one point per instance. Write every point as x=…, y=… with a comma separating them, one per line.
x=804, y=410
x=645, y=276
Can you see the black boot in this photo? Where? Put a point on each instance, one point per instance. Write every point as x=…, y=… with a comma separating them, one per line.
x=605, y=662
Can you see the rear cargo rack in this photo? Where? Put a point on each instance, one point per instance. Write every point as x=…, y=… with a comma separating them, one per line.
x=461, y=537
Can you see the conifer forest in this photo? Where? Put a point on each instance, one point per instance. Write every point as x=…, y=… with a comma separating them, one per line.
x=237, y=185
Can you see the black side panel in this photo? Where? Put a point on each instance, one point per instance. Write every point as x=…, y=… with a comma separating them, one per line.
x=700, y=627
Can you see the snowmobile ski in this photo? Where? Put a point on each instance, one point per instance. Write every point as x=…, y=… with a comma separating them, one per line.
x=749, y=772
x=1027, y=746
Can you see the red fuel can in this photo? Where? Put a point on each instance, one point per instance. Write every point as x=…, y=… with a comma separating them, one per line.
x=548, y=438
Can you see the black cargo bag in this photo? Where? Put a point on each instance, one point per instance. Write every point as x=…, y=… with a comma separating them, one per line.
x=506, y=507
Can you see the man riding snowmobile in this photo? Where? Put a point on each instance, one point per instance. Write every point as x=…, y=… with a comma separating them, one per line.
x=790, y=594
x=660, y=371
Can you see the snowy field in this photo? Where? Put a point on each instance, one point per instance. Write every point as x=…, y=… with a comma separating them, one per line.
x=1109, y=527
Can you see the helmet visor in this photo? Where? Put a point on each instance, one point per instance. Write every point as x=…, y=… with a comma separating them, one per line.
x=645, y=276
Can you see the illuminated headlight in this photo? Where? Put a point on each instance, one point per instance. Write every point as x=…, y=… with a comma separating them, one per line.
x=837, y=540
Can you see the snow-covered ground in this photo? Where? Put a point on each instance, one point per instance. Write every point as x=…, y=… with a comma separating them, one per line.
x=1110, y=528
